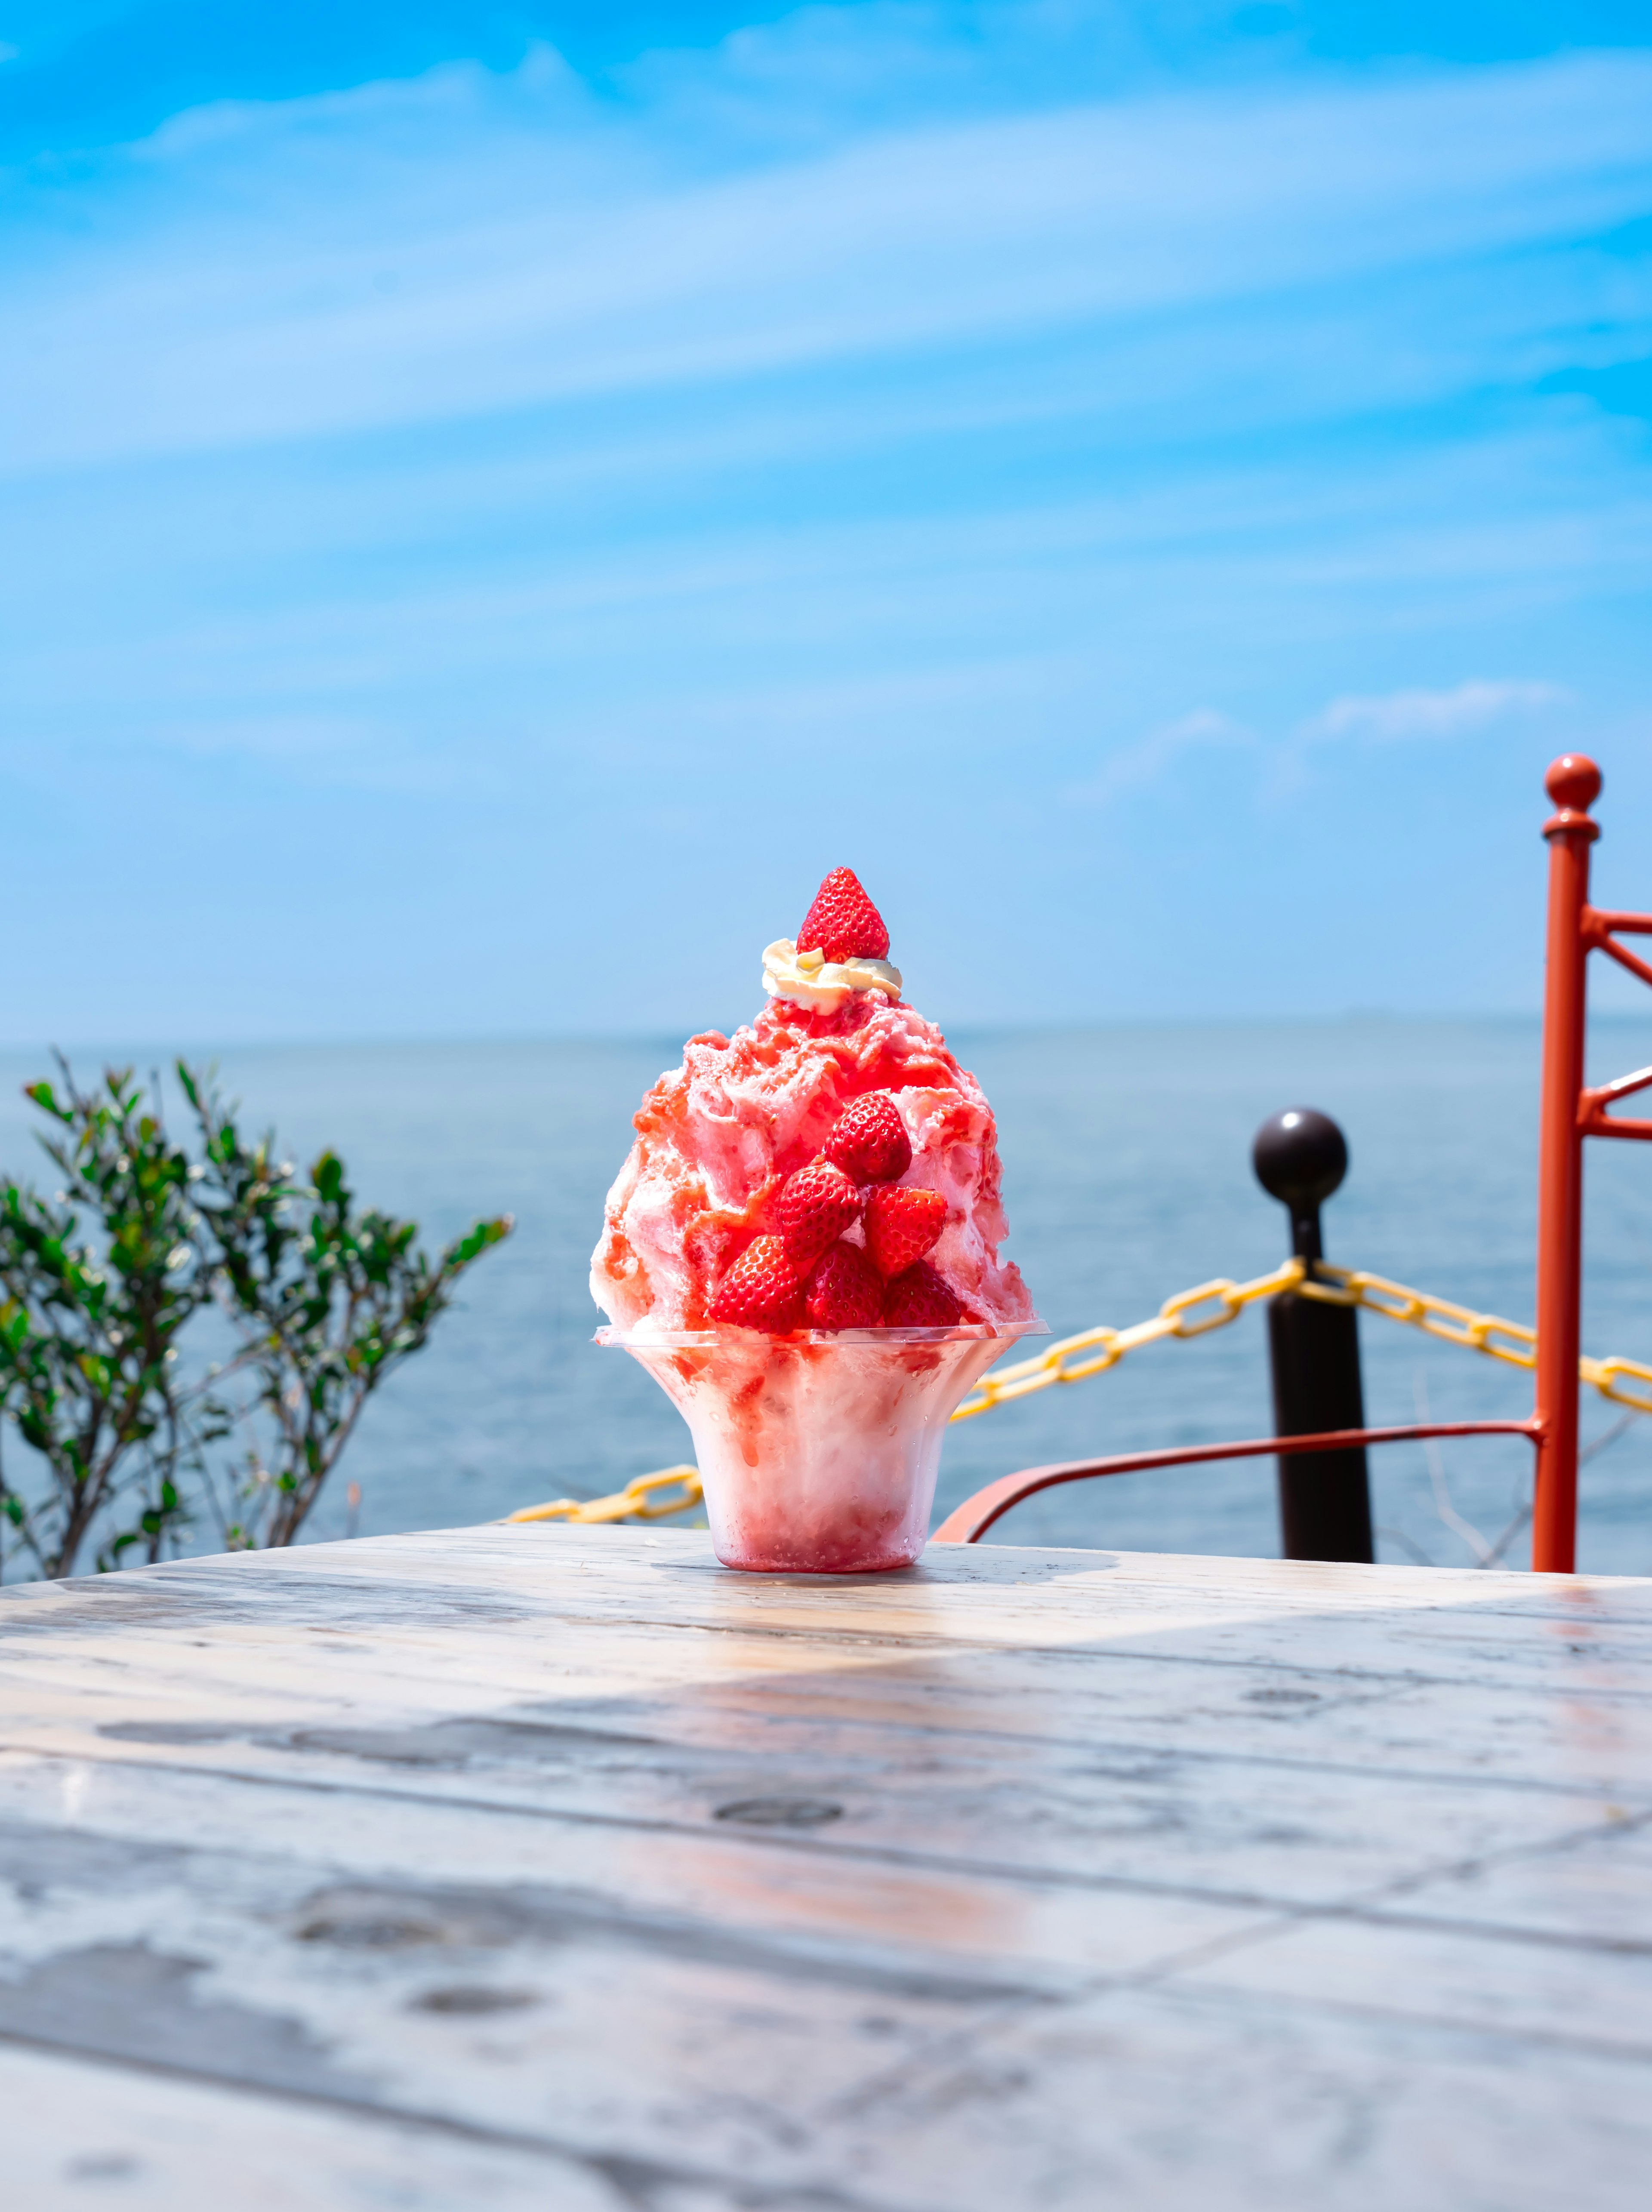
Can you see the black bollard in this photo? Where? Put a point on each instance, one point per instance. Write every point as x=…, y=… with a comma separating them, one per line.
x=1325, y=1498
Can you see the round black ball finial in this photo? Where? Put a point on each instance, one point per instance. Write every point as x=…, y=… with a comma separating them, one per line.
x=1300, y=1158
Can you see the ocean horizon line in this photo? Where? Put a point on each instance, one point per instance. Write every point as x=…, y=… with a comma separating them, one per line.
x=136, y=1049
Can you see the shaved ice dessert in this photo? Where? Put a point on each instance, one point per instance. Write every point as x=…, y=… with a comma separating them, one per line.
x=803, y=1250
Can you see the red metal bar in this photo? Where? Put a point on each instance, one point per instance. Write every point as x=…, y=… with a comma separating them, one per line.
x=1621, y=1086
x=1604, y=943
x=1593, y=1119
x=1573, y=782
x=971, y=1520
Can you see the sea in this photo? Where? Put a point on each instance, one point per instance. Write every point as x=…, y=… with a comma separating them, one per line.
x=1127, y=1178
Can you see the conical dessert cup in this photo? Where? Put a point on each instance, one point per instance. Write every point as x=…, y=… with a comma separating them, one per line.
x=818, y=1452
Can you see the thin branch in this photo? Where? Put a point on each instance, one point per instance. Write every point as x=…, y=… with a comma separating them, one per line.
x=1398, y=1536
x=1442, y=1505
x=1607, y=1437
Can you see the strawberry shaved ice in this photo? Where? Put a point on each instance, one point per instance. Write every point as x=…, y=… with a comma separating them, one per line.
x=719, y=1137
x=803, y=1249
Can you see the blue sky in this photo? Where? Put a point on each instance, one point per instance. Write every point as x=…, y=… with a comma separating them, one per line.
x=494, y=502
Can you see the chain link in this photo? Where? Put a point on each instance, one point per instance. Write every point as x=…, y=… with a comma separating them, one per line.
x=1062, y=1362
x=1455, y=1324
x=1602, y=1375
x=632, y=1500
x=1511, y=1341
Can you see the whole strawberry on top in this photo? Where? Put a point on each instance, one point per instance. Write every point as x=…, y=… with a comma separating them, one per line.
x=829, y=1167
x=843, y=924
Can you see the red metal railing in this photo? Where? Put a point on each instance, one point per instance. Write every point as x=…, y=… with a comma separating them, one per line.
x=971, y=1521
x=1569, y=1112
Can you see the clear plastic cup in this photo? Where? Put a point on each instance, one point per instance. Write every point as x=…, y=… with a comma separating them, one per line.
x=818, y=1451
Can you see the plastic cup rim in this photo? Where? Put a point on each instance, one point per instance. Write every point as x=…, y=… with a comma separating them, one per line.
x=702, y=1339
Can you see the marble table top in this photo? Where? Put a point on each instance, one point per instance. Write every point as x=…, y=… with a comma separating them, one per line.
x=557, y=1866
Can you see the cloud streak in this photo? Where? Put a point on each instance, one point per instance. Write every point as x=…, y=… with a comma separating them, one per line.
x=1162, y=753
x=1167, y=754
x=524, y=494
x=1405, y=716
x=536, y=263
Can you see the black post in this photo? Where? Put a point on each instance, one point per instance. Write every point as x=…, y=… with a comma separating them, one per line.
x=1325, y=1498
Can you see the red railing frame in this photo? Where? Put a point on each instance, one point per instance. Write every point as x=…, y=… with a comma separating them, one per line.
x=1570, y=1111
x=971, y=1521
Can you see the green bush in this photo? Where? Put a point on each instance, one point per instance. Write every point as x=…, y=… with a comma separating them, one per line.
x=139, y=1448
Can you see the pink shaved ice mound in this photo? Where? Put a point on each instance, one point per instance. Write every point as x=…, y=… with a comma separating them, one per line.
x=717, y=1138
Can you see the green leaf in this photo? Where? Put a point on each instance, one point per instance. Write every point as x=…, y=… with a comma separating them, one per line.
x=45, y=1099
x=476, y=1240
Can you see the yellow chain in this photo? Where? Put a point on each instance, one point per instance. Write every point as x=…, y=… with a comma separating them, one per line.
x=630, y=1500
x=1511, y=1342
x=1060, y=1363
x=1455, y=1324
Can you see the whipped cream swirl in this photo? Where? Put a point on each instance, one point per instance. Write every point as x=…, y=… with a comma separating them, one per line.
x=810, y=979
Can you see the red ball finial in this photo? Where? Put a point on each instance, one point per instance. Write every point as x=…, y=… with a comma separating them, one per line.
x=1573, y=782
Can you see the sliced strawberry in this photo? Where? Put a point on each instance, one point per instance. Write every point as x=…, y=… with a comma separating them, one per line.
x=869, y=1140
x=919, y=1298
x=816, y=1205
x=901, y=1226
x=843, y=923
x=845, y=1291
x=762, y=1290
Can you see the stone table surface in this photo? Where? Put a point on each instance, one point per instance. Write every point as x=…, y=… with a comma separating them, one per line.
x=557, y=1866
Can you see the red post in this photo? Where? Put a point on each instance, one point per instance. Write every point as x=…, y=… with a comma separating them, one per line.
x=1573, y=782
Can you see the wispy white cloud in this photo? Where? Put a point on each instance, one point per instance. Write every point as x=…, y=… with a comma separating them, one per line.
x=1161, y=752
x=480, y=467
x=540, y=249
x=1433, y=714
x=1281, y=764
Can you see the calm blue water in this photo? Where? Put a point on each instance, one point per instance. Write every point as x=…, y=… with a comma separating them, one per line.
x=1127, y=1177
